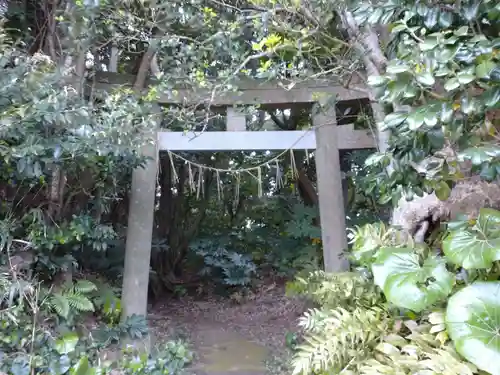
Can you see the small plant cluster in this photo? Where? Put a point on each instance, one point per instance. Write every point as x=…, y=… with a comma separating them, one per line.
x=286, y=241
x=409, y=308
x=228, y=267
x=41, y=332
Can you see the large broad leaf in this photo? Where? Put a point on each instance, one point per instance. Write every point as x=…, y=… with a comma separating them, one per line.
x=477, y=246
x=83, y=367
x=480, y=155
x=473, y=323
x=408, y=284
x=67, y=343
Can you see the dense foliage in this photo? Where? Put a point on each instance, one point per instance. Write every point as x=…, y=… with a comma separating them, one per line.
x=408, y=308
x=442, y=80
x=428, y=308
x=38, y=332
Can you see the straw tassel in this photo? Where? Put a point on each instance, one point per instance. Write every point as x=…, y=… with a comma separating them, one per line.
x=293, y=165
x=175, y=178
x=259, y=181
x=192, y=185
x=219, y=187
x=237, y=189
x=278, y=178
x=199, y=184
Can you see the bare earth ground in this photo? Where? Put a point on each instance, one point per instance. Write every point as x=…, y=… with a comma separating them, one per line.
x=230, y=338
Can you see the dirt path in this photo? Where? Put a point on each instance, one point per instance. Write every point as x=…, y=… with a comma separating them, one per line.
x=230, y=338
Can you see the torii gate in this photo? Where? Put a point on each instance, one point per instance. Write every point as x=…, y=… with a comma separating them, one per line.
x=327, y=139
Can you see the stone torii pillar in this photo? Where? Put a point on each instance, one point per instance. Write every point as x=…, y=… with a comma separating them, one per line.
x=331, y=200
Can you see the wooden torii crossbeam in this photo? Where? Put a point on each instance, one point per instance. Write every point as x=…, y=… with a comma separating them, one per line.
x=347, y=139
x=326, y=138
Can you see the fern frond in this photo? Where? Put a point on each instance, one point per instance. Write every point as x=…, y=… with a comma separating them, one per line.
x=84, y=286
x=425, y=356
x=79, y=302
x=314, y=320
x=346, y=289
x=338, y=337
x=59, y=304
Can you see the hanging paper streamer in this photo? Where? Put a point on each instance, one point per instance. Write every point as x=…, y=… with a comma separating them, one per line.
x=202, y=172
x=278, y=178
x=237, y=190
x=200, y=183
x=196, y=173
x=259, y=181
x=219, y=187
x=293, y=166
x=175, y=178
x=192, y=185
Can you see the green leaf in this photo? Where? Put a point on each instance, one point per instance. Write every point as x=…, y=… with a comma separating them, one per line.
x=408, y=284
x=477, y=246
x=416, y=119
x=398, y=28
x=468, y=105
x=445, y=55
x=484, y=69
x=21, y=165
x=492, y=97
x=488, y=220
x=85, y=286
x=446, y=112
x=431, y=118
x=394, y=119
x=396, y=67
x=67, y=343
x=462, y=31
x=473, y=323
x=422, y=9
x=428, y=44
x=495, y=74
x=442, y=190
x=436, y=138
x=377, y=80
x=480, y=155
x=60, y=365
x=20, y=366
x=488, y=172
x=451, y=84
x=82, y=367
x=425, y=78
x=451, y=40
x=465, y=77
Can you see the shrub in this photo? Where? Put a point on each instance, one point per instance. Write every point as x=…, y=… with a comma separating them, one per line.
x=228, y=267
x=33, y=340
x=413, y=309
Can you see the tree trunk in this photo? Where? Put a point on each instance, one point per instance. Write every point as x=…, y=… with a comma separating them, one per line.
x=367, y=44
x=140, y=218
x=306, y=188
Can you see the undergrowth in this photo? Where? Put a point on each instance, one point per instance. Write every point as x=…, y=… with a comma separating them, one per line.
x=408, y=309
x=42, y=331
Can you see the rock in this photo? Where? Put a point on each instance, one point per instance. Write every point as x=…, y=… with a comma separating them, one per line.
x=466, y=198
